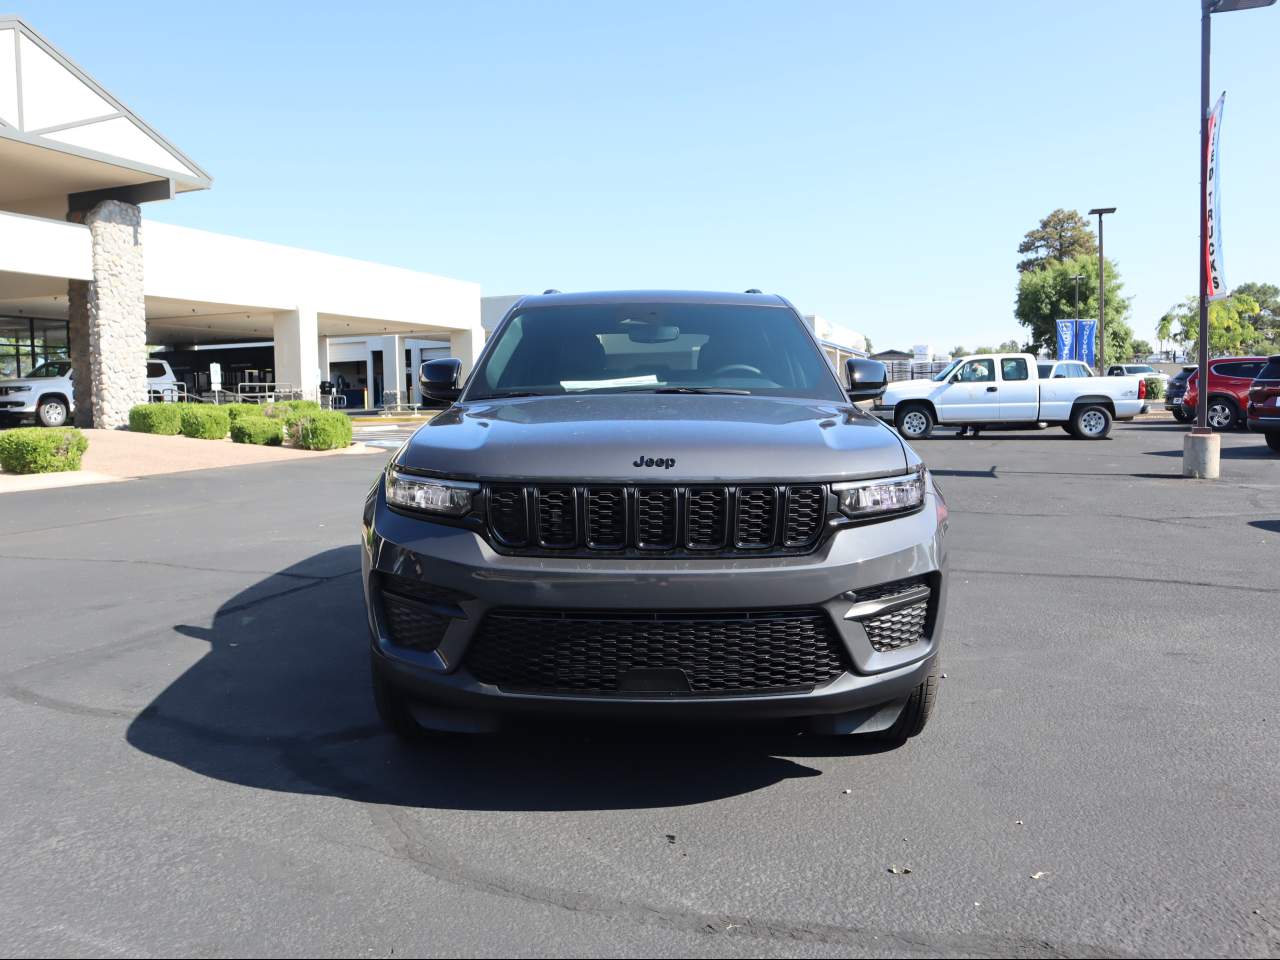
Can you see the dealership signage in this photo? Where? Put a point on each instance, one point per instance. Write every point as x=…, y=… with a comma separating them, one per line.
x=1215, y=285
x=1077, y=340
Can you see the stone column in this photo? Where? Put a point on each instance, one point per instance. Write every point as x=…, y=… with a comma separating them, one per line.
x=297, y=344
x=108, y=319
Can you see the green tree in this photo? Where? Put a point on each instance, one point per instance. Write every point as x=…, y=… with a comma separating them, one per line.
x=1047, y=295
x=986, y=350
x=1009, y=346
x=1062, y=235
x=1141, y=348
x=959, y=351
x=1267, y=320
x=1164, y=329
x=1231, y=330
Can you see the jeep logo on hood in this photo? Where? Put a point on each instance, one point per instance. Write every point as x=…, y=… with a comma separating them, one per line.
x=665, y=463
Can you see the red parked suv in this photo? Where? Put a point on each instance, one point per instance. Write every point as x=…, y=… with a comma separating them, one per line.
x=1229, y=381
x=1264, y=403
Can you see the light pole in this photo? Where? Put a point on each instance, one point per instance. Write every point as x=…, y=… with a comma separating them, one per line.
x=1200, y=452
x=1076, y=338
x=1102, y=289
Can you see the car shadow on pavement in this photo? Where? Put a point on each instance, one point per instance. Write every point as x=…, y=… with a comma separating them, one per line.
x=281, y=701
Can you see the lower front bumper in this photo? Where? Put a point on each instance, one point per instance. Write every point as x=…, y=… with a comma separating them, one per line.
x=459, y=560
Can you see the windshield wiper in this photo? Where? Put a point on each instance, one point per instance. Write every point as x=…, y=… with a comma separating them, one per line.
x=513, y=393
x=730, y=390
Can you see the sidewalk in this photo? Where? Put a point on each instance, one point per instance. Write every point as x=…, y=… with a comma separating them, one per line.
x=121, y=455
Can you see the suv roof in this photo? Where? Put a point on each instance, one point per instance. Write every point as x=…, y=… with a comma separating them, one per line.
x=650, y=296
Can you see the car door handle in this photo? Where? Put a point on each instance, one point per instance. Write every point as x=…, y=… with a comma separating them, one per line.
x=991, y=389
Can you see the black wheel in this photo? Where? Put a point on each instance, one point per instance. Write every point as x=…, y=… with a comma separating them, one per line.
x=915, y=715
x=914, y=421
x=52, y=412
x=1092, y=422
x=1273, y=441
x=393, y=706
x=1223, y=413
x=1180, y=414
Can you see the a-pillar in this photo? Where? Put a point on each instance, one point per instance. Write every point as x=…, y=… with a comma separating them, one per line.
x=107, y=319
x=393, y=369
x=297, y=342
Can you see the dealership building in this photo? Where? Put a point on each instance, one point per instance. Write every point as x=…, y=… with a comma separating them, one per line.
x=83, y=273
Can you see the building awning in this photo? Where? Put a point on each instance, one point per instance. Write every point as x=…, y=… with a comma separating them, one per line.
x=62, y=133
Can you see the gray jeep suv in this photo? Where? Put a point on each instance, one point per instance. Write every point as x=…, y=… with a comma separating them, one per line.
x=655, y=505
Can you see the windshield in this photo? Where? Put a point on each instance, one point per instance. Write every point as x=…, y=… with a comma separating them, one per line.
x=1138, y=368
x=652, y=348
x=51, y=368
x=946, y=371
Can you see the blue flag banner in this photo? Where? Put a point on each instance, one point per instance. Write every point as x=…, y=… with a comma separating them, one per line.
x=1086, y=341
x=1077, y=340
x=1066, y=340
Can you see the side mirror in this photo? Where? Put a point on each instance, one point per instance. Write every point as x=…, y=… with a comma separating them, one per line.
x=867, y=379
x=439, y=379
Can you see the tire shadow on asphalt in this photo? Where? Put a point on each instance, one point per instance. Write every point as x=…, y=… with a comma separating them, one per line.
x=281, y=701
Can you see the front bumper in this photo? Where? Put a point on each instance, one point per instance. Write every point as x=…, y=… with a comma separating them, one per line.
x=17, y=405
x=456, y=559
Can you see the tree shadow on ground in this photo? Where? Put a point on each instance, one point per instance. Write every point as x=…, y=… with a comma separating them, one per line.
x=281, y=701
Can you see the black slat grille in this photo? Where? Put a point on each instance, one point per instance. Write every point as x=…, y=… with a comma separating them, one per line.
x=606, y=517
x=708, y=513
x=655, y=518
x=651, y=518
x=757, y=517
x=508, y=515
x=605, y=652
x=896, y=628
x=557, y=517
x=806, y=507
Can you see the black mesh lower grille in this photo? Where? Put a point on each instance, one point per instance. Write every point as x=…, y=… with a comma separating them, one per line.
x=898, y=628
x=693, y=653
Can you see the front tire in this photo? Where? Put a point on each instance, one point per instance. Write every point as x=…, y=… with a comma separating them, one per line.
x=1273, y=440
x=1180, y=414
x=1223, y=414
x=915, y=715
x=1092, y=422
x=52, y=413
x=914, y=421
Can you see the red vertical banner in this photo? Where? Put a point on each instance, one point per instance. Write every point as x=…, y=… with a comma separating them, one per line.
x=1215, y=284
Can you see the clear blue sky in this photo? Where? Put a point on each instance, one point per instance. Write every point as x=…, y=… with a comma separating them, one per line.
x=876, y=166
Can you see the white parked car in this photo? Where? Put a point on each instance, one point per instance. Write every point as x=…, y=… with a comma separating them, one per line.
x=46, y=392
x=1009, y=388
x=1144, y=370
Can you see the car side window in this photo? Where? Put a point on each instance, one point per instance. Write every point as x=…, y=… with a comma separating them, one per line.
x=1013, y=368
x=155, y=370
x=978, y=371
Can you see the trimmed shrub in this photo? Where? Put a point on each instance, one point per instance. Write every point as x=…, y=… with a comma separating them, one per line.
x=204, y=422
x=259, y=430
x=324, y=430
x=237, y=410
x=284, y=409
x=42, y=449
x=165, y=418
x=1155, y=388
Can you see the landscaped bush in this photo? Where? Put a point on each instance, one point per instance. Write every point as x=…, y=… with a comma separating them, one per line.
x=259, y=430
x=204, y=422
x=1155, y=388
x=323, y=430
x=42, y=449
x=165, y=418
x=284, y=409
x=237, y=410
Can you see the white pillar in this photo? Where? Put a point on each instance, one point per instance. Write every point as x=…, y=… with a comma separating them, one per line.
x=322, y=357
x=393, y=367
x=368, y=372
x=297, y=343
x=465, y=345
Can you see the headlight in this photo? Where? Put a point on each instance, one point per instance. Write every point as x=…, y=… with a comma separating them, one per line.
x=870, y=498
x=450, y=498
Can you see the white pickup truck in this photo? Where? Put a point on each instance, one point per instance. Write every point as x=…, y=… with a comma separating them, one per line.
x=1010, y=388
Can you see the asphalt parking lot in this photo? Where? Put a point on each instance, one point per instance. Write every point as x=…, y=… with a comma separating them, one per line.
x=192, y=764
